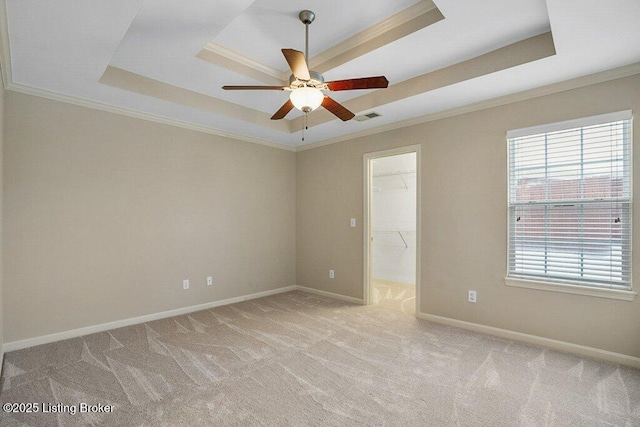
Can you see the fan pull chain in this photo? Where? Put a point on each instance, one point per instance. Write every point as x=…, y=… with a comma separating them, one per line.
x=305, y=126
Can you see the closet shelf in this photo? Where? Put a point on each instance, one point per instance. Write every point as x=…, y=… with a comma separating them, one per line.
x=399, y=233
x=402, y=180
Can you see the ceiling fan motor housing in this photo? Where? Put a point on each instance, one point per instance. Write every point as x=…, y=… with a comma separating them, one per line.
x=317, y=81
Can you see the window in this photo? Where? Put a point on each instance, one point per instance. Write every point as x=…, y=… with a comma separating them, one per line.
x=570, y=203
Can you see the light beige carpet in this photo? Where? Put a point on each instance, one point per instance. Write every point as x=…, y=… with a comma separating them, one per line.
x=299, y=359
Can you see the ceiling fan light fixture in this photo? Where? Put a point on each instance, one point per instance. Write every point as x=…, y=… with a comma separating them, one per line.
x=306, y=99
x=307, y=86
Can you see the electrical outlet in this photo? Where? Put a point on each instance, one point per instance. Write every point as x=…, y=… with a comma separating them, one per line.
x=353, y=222
x=209, y=281
x=185, y=284
x=332, y=274
x=473, y=296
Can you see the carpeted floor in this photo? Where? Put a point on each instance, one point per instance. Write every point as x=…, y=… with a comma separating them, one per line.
x=300, y=359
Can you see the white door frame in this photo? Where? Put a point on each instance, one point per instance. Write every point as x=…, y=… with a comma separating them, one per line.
x=368, y=189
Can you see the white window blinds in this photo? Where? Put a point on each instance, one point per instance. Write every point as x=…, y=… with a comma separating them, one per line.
x=570, y=202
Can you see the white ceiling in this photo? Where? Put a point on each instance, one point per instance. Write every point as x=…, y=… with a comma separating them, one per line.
x=64, y=48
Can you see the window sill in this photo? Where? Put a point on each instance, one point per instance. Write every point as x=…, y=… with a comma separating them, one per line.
x=571, y=289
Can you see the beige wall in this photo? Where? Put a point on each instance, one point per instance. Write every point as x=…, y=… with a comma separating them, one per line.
x=464, y=220
x=106, y=215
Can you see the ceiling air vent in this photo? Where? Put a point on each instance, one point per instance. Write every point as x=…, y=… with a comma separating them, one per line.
x=368, y=116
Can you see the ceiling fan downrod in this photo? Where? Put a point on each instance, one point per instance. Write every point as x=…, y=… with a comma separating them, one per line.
x=306, y=17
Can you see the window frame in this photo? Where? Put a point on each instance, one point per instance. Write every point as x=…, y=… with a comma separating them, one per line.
x=558, y=284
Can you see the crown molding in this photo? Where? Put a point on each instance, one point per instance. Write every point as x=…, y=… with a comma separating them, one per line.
x=217, y=54
x=245, y=60
x=601, y=77
x=5, y=50
x=524, y=51
x=55, y=96
x=393, y=21
x=403, y=23
x=591, y=79
x=143, y=85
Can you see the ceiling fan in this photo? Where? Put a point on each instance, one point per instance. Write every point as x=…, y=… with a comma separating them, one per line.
x=307, y=86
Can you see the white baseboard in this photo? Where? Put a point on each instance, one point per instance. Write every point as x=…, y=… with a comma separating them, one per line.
x=45, y=339
x=567, y=347
x=330, y=295
x=581, y=350
x=504, y=333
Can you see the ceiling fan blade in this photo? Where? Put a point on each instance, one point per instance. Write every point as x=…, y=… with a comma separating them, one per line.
x=283, y=111
x=254, y=87
x=379, y=82
x=337, y=109
x=297, y=63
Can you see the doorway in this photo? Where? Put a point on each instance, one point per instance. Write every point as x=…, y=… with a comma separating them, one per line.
x=392, y=229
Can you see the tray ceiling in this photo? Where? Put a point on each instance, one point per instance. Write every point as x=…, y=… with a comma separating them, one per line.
x=166, y=61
